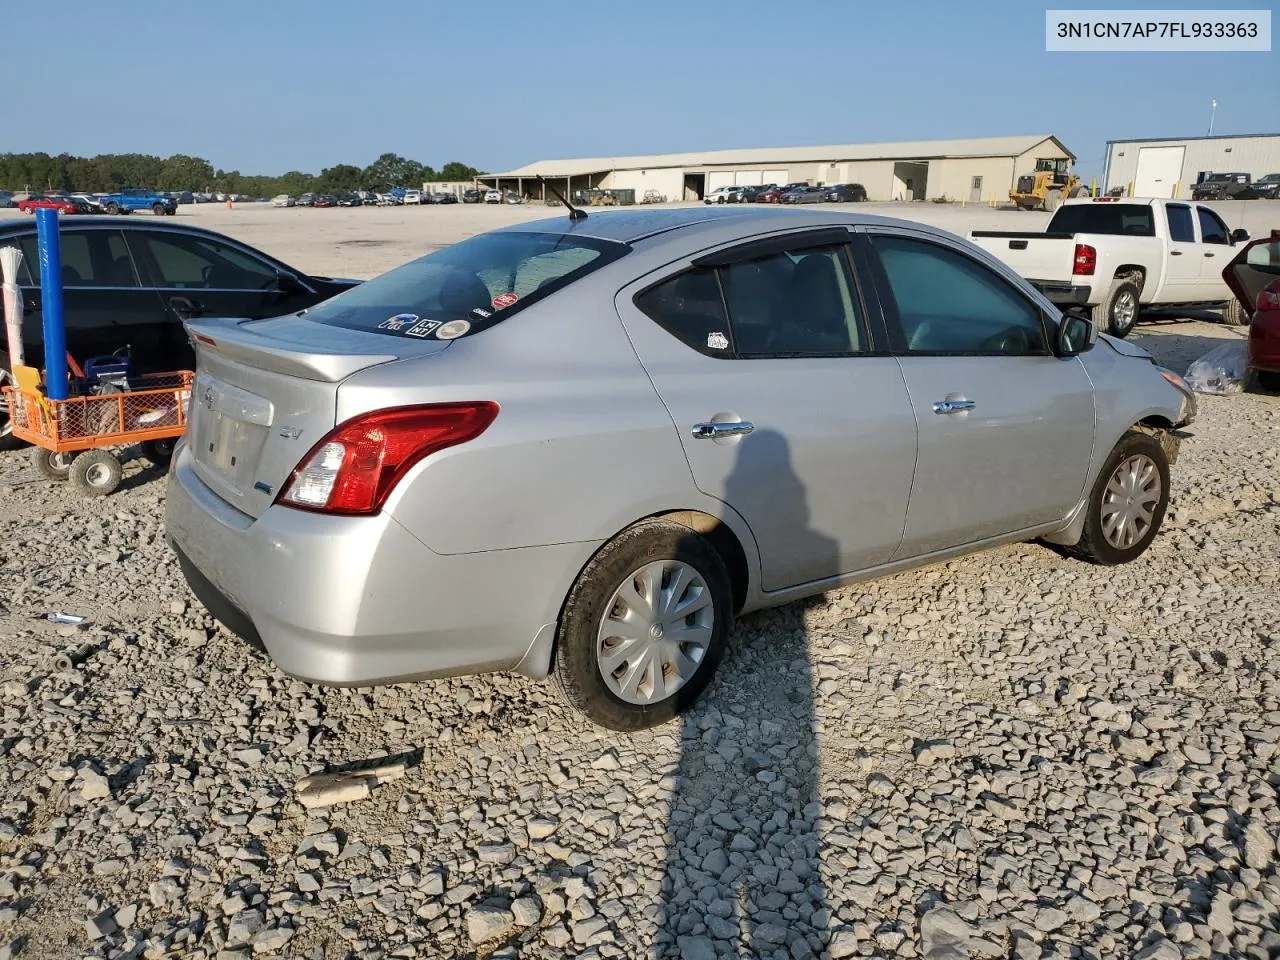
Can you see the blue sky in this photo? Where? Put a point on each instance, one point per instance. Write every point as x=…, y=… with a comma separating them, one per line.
x=273, y=85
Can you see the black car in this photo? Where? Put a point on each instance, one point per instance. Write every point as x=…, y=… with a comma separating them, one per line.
x=1222, y=186
x=846, y=193
x=131, y=284
x=473, y=196
x=350, y=200
x=445, y=198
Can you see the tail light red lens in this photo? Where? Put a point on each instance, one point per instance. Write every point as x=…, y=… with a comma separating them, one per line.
x=354, y=468
x=1268, y=299
x=1086, y=260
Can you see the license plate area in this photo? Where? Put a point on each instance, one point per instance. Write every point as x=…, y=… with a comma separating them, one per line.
x=230, y=428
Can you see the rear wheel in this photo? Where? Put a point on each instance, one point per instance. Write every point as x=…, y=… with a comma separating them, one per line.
x=1233, y=314
x=159, y=452
x=1119, y=311
x=1052, y=200
x=95, y=473
x=644, y=626
x=50, y=465
x=1268, y=380
x=158, y=209
x=1127, y=503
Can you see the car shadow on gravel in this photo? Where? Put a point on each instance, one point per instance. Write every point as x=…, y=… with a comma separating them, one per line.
x=1177, y=350
x=741, y=875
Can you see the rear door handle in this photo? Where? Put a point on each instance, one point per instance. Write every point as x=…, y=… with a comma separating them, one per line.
x=945, y=407
x=1175, y=253
x=1209, y=254
x=713, y=431
x=185, y=307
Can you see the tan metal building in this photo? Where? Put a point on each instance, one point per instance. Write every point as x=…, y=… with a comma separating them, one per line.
x=1167, y=168
x=974, y=170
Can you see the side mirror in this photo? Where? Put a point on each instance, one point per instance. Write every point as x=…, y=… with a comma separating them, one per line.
x=1239, y=235
x=1076, y=334
x=286, y=282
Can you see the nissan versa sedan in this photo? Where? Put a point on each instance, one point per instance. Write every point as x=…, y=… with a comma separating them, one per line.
x=581, y=446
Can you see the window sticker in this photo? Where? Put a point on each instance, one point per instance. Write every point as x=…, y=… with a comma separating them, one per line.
x=422, y=328
x=504, y=300
x=398, y=322
x=717, y=341
x=453, y=329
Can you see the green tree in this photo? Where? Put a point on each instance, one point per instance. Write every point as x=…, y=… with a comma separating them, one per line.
x=455, y=171
x=341, y=178
x=393, y=170
x=181, y=172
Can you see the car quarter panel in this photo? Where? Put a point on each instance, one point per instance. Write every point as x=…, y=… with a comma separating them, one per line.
x=581, y=447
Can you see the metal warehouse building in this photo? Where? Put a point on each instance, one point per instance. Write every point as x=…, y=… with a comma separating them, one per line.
x=974, y=170
x=1165, y=168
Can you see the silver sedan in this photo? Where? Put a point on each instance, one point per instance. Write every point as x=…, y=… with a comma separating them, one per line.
x=582, y=446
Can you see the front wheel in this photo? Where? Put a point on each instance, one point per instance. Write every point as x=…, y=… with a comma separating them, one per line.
x=1118, y=313
x=50, y=465
x=1233, y=314
x=158, y=209
x=644, y=626
x=1127, y=503
x=95, y=473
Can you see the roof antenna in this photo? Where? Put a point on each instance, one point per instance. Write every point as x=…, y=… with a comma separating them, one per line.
x=574, y=212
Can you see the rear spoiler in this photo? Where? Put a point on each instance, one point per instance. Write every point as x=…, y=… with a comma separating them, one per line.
x=324, y=362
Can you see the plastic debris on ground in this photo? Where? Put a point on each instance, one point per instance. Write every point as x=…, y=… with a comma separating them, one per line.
x=328, y=789
x=1221, y=371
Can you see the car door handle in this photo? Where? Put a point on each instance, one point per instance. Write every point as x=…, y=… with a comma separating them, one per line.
x=1209, y=254
x=185, y=307
x=1175, y=253
x=944, y=407
x=713, y=431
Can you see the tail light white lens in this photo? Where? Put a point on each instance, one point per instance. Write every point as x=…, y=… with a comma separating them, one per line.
x=354, y=468
x=1268, y=299
x=1086, y=260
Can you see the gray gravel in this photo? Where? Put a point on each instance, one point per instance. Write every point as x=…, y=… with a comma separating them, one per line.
x=1010, y=755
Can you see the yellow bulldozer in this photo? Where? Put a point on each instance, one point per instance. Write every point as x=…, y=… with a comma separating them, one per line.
x=1048, y=186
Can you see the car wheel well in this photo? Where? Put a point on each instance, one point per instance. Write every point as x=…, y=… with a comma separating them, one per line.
x=1132, y=271
x=725, y=542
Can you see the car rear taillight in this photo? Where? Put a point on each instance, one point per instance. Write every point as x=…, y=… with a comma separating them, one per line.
x=1268, y=299
x=354, y=468
x=1085, y=262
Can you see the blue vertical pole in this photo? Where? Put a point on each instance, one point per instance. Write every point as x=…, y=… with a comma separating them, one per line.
x=55, y=331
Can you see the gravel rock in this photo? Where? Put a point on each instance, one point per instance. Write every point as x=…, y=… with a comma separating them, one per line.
x=944, y=935
x=488, y=923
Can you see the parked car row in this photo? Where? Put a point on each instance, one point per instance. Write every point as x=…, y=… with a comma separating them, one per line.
x=1235, y=186
x=788, y=193
x=362, y=198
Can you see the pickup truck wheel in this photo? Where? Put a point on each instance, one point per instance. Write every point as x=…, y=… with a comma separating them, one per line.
x=1119, y=311
x=113, y=208
x=1233, y=314
x=158, y=209
x=1127, y=503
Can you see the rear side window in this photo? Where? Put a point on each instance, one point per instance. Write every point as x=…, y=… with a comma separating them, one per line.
x=950, y=304
x=1181, y=227
x=90, y=258
x=193, y=263
x=797, y=303
x=481, y=281
x=1212, y=230
x=1127, y=219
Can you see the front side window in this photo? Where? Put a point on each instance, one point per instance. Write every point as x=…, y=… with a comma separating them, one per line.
x=1212, y=229
x=193, y=263
x=90, y=258
x=794, y=303
x=950, y=304
x=1181, y=227
x=481, y=280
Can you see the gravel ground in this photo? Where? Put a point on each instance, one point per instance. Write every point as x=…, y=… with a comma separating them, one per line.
x=1010, y=755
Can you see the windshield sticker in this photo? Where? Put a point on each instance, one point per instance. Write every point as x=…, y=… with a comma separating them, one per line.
x=453, y=329
x=398, y=322
x=504, y=300
x=422, y=328
x=482, y=313
x=717, y=341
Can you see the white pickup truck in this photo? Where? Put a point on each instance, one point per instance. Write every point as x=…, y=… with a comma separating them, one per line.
x=1116, y=255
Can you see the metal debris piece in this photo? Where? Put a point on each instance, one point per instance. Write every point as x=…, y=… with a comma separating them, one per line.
x=70, y=618
x=71, y=658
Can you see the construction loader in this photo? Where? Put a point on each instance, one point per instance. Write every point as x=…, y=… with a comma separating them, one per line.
x=1048, y=186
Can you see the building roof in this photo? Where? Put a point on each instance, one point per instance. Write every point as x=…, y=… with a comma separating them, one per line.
x=1212, y=136
x=904, y=150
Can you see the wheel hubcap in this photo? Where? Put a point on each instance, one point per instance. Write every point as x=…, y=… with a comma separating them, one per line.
x=60, y=461
x=655, y=632
x=97, y=475
x=1129, y=502
x=1124, y=310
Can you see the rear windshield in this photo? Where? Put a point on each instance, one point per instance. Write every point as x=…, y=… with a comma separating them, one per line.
x=1129, y=219
x=468, y=286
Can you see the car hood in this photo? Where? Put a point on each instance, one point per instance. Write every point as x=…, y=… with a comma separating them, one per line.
x=1124, y=347
x=1248, y=274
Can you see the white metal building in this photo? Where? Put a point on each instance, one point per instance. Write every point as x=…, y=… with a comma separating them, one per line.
x=1167, y=168
x=974, y=170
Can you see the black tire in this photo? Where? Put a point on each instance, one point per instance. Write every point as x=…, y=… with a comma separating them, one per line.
x=113, y=208
x=1233, y=314
x=170, y=213
x=1268, y=380
x=158, y=209
x=159, y=452
x=50, y=465
x=1111, y=314
x=576, y=666
x=1094, y=545
x=95, y=473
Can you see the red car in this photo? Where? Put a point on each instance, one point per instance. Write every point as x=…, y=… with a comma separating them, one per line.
x=1254, y=277
x=61, y=204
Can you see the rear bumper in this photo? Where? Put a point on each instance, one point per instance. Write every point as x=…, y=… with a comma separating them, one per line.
x=358, y=600
x=1063, y=293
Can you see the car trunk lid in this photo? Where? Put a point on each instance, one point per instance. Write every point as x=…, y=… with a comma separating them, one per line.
x=1254, y=269
x=266, y=391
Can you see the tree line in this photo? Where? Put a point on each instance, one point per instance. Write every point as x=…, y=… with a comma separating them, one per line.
x=109, y=172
